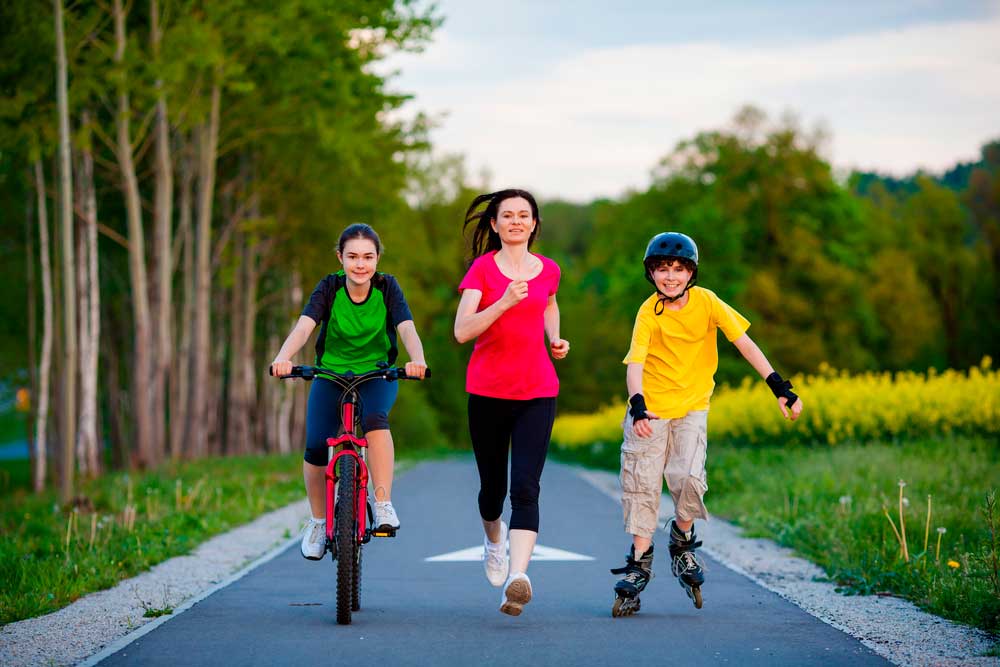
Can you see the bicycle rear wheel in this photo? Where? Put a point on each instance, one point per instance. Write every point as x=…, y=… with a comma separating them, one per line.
x=345, y=537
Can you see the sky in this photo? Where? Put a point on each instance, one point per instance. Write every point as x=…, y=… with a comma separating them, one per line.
x=576, y=100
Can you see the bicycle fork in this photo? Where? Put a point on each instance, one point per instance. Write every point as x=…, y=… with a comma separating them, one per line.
x=360, y=494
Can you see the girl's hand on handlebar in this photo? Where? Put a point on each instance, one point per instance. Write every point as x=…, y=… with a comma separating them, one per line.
x=415, y=370
x=559, y=348
x=281, y=368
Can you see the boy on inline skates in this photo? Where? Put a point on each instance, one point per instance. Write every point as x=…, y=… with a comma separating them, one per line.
x=670, y=370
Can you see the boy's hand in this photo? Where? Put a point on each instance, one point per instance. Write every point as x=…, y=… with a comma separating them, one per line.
x=642, y=427
x=793, y=412
x=559, y=348
x=640, y=416
x=782, y=390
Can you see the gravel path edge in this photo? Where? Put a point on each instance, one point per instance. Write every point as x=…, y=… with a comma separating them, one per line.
x=893, y=627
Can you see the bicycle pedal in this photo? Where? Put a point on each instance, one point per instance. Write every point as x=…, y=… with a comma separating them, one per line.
x=383, y=532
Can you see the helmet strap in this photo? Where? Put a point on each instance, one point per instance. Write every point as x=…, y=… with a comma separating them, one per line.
x=662, y=299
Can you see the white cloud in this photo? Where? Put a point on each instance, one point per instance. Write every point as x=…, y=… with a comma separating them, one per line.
x=596, y=122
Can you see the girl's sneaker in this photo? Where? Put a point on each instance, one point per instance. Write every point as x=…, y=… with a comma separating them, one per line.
x=314, y=539
x=516, y=594
x=495, y=559
x=385, y=515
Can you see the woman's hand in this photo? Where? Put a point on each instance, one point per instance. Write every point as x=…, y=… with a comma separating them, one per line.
x=281, y=368
x=559, y=348
x=415, y=369
x=515, y=293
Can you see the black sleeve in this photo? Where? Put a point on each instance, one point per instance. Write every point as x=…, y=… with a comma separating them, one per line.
x=398, y=309
x=318, y=308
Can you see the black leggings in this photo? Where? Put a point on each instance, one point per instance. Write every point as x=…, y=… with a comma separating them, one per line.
x=496, y=424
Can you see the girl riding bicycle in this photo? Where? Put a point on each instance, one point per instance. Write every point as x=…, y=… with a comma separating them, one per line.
x=509, y=306
x=360, y=311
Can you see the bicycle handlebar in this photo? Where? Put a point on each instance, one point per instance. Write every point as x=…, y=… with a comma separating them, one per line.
x=310, y=372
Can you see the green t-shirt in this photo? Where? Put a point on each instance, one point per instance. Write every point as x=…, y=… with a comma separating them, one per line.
x=356, y=336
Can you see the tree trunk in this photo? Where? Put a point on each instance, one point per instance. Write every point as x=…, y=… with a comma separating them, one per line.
x=42, y=413
x=32, y=310
x=198, y=411
x=182, y=366
x=248, y=380
x=142, y=366
x=88, y=448
x=83, y=320
x=68, y=384
x=162, y=253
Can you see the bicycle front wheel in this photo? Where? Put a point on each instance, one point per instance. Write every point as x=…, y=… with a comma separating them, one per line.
x=345, y=537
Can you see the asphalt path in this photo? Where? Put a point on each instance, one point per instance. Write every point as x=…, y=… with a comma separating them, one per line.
x=420, y=612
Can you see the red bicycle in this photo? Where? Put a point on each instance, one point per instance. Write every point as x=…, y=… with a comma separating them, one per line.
x=348, y=511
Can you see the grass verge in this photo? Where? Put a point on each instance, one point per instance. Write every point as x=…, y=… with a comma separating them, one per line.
x=125, y=523
x=833, y=505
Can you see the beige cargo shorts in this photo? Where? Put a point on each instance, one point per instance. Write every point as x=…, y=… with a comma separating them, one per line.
x=675, y=453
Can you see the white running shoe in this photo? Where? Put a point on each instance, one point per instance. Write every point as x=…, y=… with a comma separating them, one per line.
x=314, y=539
x=516, y=594
x=495, y=558
x=385, y=515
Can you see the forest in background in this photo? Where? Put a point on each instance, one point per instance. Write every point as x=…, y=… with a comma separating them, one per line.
x=168, y=210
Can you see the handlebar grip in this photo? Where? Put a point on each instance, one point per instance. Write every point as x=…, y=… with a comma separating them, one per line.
x=304, y=372
x=401, y=374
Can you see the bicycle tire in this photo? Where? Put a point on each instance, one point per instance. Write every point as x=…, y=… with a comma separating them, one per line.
x=356, y=588
x=345, y=537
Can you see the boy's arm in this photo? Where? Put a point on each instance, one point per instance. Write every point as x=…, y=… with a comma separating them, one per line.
x=416, y=366
x=788, y=402
x=637, y=403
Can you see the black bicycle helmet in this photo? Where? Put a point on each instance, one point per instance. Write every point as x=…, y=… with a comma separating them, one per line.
x=666, y=246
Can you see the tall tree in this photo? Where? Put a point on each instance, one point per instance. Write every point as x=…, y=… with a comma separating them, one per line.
x=162, y=248
x=40, y=458
x=88, y=447
x=142, y=353
x=207, y=147
x=68, y=384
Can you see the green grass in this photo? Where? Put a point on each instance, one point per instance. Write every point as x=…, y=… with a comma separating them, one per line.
x=827, y=504
x=51, y=555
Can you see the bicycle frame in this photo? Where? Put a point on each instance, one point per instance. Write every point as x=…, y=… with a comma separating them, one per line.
x=354, y=448
x=349, y=445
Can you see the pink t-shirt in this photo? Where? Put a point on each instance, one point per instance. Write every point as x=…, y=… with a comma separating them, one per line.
x=511, y=358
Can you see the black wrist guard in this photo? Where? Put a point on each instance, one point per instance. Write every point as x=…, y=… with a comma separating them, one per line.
x=638, y=409
x=781, y=388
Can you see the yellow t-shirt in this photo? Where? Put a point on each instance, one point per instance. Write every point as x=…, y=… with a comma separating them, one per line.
x=678, y=351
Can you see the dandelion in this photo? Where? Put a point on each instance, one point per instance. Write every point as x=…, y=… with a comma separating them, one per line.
x=902, y=524
x=927, y=526
x=940, y=531
x=953, y=564
x=885, y=511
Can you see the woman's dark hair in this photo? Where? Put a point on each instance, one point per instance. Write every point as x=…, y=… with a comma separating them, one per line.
x=484, y=239
x=360, y=231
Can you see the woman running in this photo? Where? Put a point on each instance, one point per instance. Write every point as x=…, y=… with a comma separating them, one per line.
x=508, y=305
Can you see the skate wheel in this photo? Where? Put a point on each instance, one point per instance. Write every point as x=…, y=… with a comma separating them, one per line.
x=625, y=607
x=616, y=608
x=696, y=596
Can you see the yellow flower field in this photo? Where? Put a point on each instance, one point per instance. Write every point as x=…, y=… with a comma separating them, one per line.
x=838, y=407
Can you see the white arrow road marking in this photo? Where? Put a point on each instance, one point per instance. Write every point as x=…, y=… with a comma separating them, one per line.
x=476, y=554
